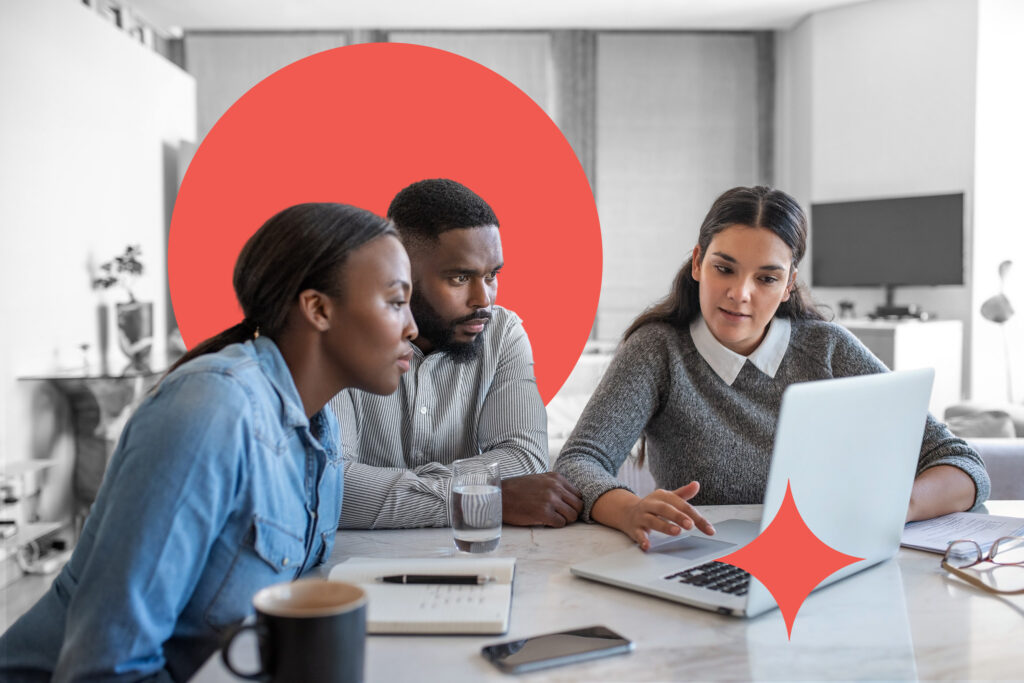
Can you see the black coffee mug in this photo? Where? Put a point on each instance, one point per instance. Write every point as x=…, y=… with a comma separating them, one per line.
x=309, y=630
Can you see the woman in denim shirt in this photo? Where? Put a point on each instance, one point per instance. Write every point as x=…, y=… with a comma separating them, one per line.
x=228, y=477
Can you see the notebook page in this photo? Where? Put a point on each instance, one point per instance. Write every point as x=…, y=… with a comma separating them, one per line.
x=432, y=608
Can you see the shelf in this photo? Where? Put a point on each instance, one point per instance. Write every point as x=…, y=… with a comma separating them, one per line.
x=909, y=344
x=19, y=501
x=81, y=376
x=28, y=533
x=13, y=470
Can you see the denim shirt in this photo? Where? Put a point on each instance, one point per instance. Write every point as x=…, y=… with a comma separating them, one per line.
x=219, y=486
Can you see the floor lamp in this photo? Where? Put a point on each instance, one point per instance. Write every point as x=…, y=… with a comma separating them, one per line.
x=998, y=309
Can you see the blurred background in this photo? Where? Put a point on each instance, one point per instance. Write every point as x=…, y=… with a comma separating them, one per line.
x=666, y=104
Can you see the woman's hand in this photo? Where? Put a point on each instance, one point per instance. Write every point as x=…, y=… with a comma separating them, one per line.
x=664, y=511
x=940, y=490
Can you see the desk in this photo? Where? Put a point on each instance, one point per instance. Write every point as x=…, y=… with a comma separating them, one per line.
x=900, y=620
x=100, y=405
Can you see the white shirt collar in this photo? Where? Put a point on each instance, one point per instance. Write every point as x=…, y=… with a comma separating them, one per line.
x=767, y=357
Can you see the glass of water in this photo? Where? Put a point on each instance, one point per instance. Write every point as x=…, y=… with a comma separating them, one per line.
x=475, y=504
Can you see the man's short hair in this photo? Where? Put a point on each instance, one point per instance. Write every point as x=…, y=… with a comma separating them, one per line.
x=425, y=209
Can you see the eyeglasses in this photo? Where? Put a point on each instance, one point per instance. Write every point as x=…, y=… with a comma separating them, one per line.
x=1005, y=573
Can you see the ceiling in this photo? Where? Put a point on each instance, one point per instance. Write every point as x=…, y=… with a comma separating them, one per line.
x=173, y=16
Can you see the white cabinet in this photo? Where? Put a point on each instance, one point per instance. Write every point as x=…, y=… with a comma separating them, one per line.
x=909, y=344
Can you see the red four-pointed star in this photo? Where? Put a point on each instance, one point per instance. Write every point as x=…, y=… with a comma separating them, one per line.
x=789, y=559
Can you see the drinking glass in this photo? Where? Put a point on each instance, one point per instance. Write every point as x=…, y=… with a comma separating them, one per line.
x=475, y=504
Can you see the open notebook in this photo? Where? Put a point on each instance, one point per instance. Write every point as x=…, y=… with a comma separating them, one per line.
x=432, y=608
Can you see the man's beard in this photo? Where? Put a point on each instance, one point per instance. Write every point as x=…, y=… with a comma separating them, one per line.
x=439, y=331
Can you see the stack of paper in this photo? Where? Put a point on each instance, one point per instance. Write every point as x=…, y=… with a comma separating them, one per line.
x=934, y=535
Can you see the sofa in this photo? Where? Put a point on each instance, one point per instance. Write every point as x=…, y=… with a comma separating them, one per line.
x=996, y=431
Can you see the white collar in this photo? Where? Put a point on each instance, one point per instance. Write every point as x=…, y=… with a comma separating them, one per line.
x=767, y=357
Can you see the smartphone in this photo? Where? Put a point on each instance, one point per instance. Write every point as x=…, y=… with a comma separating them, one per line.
x=554, y=649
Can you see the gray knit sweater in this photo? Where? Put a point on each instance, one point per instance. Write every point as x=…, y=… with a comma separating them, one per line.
x=699, y=428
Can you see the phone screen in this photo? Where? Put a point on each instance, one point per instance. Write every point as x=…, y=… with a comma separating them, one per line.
x=553, y=649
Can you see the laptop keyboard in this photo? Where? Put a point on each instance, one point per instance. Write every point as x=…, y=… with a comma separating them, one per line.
x=717, y=576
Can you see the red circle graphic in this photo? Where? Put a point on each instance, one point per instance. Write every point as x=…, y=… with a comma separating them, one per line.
x=355, y=125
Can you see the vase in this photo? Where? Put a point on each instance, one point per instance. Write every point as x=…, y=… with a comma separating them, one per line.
x=103, y=337
x=135, y=335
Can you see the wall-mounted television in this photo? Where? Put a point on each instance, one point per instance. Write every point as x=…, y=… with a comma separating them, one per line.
x=899, y=241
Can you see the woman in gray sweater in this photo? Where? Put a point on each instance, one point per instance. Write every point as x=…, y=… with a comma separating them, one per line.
x=700, y=376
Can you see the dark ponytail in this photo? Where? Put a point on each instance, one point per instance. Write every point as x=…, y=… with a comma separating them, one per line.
x=302, y=247
x=757, y=207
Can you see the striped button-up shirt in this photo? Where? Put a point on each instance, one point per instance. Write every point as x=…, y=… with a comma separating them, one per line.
x=397, y=448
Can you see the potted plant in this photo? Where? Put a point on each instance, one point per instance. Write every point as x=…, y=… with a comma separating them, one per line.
x=134, y=317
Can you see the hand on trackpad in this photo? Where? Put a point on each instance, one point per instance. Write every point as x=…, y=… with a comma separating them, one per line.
x=690, y=547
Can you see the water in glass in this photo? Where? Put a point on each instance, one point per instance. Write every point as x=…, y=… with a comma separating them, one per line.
x=476, y=505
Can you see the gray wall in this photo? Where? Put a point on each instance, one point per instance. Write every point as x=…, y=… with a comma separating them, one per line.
x=677, y=123
x=661, y=122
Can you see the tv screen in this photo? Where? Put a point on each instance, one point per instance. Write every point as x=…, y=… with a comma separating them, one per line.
x=889, y=242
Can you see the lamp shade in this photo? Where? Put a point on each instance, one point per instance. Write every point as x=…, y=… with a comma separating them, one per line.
x=997, y=308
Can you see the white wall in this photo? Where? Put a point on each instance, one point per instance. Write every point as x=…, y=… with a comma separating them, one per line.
x=85, y=116
x=877, y=100
x=998, y=217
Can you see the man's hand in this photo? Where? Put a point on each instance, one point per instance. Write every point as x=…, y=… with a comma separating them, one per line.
x=534, y=499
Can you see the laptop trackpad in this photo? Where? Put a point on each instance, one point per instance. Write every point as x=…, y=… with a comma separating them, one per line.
x=692, y=547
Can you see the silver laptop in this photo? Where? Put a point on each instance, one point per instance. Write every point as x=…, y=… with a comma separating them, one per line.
x=849, y=448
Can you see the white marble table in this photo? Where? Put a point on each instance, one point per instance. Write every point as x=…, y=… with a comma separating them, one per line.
x=904, y=619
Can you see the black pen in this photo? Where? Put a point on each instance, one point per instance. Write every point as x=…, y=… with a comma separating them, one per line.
x=472, y=579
